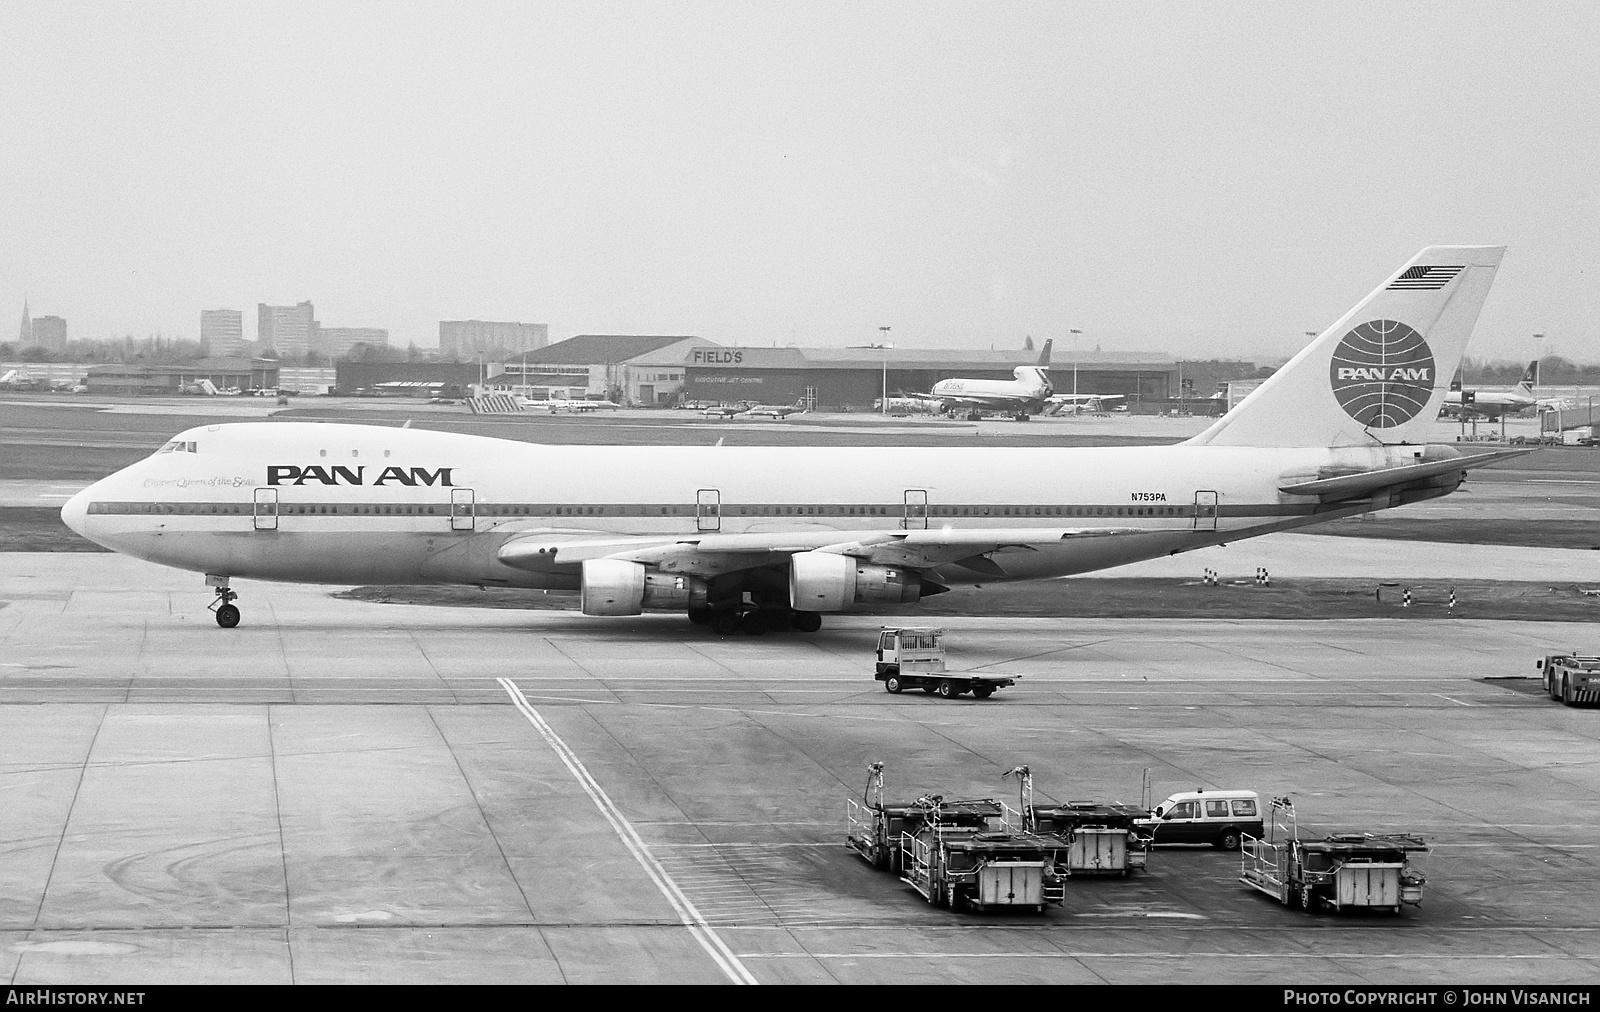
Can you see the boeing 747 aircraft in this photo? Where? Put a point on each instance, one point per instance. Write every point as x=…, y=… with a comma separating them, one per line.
x=756, y=536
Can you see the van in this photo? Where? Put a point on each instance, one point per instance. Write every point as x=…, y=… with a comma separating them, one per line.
x=1219, y=818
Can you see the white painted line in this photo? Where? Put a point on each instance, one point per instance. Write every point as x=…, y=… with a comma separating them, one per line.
x=1091, y=954
x=1453, y=699
x=703, y=933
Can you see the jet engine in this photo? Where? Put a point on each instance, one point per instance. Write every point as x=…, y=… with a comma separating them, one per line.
x=823, y=581
x=619, y=587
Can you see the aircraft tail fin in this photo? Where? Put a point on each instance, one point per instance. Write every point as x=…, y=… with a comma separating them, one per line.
x=1530, y=377
x=1036, y=377
x=1377, y=375
x=1044, y=356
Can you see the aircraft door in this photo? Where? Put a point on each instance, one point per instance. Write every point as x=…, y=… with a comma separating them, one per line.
x=708, y=509
x=266, y=509
x=916, y=515
x=1205, y=511
x=463, y=510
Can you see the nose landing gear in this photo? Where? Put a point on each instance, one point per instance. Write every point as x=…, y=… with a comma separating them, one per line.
x=226, y=611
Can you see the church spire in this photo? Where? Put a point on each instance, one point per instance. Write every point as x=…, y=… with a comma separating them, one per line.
x=26, y=337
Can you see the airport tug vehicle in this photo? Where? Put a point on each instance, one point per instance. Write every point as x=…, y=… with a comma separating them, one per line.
x=1571, y=678
x=1102, y=839
x=1339, y=872
x=912, y=657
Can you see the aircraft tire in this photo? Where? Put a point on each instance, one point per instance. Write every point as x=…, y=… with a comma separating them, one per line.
x=725, y=624
x=700, y=616
x=781, y=620
x=807, y=621
x=753, y=623
x=227, y=616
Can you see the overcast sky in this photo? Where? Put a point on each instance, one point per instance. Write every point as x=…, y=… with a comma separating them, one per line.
x=1200, y=179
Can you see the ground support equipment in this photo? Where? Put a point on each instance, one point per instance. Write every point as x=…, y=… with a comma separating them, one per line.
x=1571, y=678
x=873, y=829
x=912, y=657
x=1104, y=839
x=958, y=867
x=1339, y=872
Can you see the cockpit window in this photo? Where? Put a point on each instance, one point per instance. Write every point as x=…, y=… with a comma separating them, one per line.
x=179, y=446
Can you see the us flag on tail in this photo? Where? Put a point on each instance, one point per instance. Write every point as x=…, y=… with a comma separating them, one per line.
x=1424, y=278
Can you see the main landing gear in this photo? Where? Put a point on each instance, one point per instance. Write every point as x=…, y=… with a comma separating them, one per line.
x=755, y=621
x=226, y=611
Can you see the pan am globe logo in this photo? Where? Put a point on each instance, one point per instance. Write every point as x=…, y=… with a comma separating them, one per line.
x=1382, y=373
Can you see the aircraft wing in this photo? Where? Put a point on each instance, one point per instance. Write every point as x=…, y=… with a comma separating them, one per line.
x=710, y=554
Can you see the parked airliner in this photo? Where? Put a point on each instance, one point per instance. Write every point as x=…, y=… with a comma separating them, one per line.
x=1020, y=397
x=755, y=536
x=1493, y=404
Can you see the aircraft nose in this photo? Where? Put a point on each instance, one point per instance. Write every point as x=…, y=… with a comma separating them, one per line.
x=75, y=513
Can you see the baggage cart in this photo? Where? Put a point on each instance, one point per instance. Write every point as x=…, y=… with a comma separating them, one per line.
x=959, y=867
x=1106, y=839
x=1103, y=839
x=873, y=828
x=1339, y=872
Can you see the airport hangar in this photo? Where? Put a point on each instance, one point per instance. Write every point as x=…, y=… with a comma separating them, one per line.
x=659, y=371
x=854, y=378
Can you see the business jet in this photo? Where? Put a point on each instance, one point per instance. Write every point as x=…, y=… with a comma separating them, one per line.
x=1021, y=397
x=1492, y=404
x=1073, y=404
x=576, y=407
x=752, y=537
x=777, y=412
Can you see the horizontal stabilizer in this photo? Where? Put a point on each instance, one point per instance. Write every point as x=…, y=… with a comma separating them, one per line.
x=1351, y=485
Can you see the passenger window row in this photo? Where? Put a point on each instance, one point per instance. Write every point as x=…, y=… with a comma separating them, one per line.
x=641, y=510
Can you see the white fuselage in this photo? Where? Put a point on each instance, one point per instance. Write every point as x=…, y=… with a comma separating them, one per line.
x=1490, y=403
x=362, y=504
x=1026, y=392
